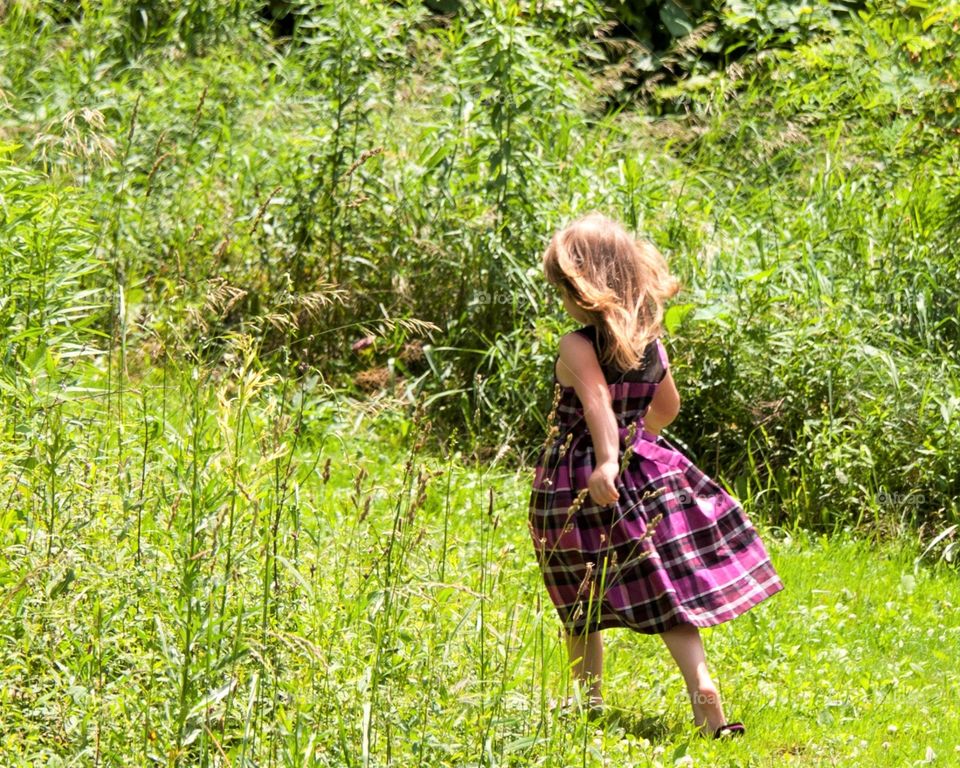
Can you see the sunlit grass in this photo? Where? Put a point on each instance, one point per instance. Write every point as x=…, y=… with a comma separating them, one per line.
x=385, y=611
x=215, y=552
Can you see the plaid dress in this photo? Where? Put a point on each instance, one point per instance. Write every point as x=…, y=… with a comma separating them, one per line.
x=674, y=549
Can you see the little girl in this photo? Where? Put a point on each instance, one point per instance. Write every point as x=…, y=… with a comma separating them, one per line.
x=626, y=530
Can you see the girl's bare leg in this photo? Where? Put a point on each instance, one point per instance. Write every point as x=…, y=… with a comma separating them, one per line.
x=686, y=647
x=586, y=654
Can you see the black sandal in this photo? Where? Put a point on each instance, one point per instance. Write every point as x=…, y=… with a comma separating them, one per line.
x=730, y=729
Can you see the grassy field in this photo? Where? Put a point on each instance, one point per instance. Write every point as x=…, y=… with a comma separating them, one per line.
x=389, y=180
x=342, y=598
x=276, y=356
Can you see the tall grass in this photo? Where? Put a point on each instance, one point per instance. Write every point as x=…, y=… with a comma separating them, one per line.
x=215, y=553
x=394, y=174
x=355, y=632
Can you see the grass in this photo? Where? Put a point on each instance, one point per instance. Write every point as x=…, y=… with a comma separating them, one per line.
x=394, y=175
x=257, y=605
x=216, y=553
x=344, y=188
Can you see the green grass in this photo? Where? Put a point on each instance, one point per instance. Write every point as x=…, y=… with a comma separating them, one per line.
x=226, y=539
x=396, y=175
x=248, y=612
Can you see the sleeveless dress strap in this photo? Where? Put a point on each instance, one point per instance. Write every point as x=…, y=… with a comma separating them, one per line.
x=663, y=355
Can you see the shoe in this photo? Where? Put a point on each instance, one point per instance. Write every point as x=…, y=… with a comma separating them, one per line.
x=730, y=729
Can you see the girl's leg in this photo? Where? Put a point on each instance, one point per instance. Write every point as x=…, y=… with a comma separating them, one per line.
x=586, y=654
x=686, y=647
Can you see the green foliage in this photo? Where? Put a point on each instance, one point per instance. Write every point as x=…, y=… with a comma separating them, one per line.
x=634, y=45
x=313, y=601
x=371, y=200
x=130, y=30
x=213, y=550
x=47, y=305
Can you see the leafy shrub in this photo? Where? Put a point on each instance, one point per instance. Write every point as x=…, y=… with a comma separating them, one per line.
x=354, y=196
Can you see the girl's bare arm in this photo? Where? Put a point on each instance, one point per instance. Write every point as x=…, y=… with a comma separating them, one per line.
x=578, y=367
x=664, y=407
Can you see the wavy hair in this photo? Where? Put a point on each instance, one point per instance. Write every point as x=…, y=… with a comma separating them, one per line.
x=620, y=283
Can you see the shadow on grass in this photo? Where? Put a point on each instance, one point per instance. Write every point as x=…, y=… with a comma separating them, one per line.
x=654, y=728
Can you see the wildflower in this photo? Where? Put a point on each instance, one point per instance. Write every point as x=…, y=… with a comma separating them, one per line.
x=553, y=430
x=587, y=579
x=628, y=452
x=578, y=502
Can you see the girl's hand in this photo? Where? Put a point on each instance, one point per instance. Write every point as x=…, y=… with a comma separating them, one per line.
x=601, y=483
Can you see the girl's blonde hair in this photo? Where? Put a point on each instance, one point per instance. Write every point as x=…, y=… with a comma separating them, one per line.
x=621, y=283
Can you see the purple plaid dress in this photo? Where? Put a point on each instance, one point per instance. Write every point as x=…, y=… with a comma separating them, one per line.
x=674, y=549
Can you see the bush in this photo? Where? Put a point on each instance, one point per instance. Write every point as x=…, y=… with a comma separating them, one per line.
x=374, y=207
